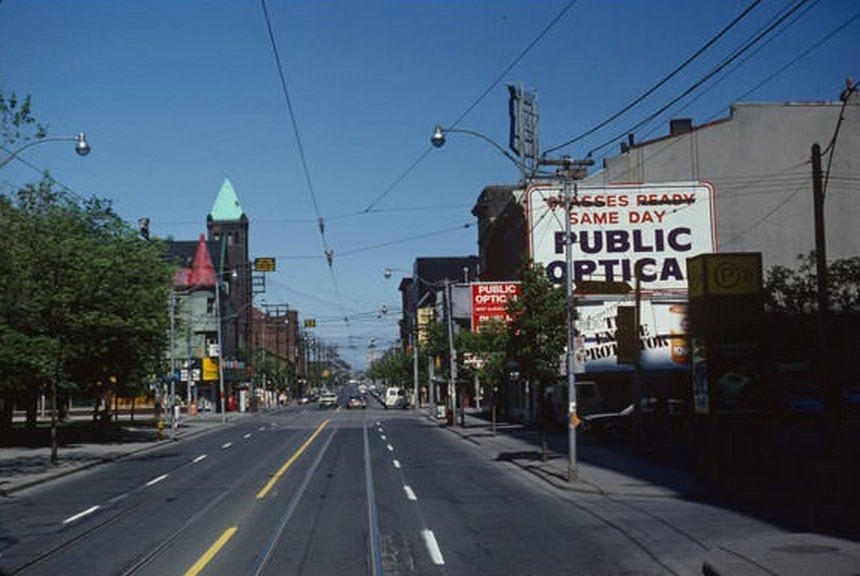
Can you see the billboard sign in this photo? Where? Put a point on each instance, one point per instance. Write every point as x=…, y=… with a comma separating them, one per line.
x=490, y=300
x=615, y=227
x=663, y=335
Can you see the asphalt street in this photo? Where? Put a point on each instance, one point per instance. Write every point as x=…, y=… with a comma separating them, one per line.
x=309, y=491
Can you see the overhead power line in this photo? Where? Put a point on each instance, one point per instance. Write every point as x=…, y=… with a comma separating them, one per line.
x=478, y=100
x=750, y=43
x=327, y=250
x=659, y=84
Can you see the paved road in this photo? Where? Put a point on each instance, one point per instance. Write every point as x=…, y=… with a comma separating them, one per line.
x=309, y=491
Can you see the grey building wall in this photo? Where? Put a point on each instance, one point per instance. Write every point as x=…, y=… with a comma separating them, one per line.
x=758, y=160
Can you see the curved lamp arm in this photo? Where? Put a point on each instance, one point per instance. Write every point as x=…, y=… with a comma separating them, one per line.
x=82, y=147
x=438, y=140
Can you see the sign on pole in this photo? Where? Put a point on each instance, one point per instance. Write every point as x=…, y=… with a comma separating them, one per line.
x=490, y=300
x=614, y=227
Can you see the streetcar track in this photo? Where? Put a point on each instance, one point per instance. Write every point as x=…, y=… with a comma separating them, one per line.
x=265, y=554
x=107, y=514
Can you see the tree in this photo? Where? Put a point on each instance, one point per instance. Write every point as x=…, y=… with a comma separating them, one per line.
x=538, y=336
x=489, y=346
x=83, y=299
x=795, y=291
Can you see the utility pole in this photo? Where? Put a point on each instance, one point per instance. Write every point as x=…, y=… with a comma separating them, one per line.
x=831, y=395
x=452, y=353
x=569, y=171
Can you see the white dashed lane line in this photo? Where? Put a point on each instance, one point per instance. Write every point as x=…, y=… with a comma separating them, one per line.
x=246, y=436
x=396, y=464
x=156, y=480
x=199, y=459
x=80, y=515
x=227, y=445
x=432, y=547
x=410, y=494
x=390, y=448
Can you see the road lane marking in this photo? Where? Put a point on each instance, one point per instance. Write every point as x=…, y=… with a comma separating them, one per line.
x=265, y=490
x=246, y=436
x=433, y=547
x=207, y=557
x=410, y=494
x=119, y=498
x=80, y=515
x=155, y=481
x=200, y=458
x=396, y=464
x=382, y=437
x=390, y=448
x=276, y=534
x=227, y=445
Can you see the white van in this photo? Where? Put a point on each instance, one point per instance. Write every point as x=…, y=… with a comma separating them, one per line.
x=395, y=397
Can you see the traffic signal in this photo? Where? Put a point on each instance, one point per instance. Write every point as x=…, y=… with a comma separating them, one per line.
x=144, y=227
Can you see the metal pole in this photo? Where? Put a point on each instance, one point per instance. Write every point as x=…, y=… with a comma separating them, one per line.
x=571, y=376
x=172, y=363
x=452, y=353
x=415, y=396
x=220, y=351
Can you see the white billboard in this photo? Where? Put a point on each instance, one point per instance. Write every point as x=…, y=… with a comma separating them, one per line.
x=614, y=227
x=662, y=335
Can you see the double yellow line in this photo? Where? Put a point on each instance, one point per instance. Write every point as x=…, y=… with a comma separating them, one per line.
x=227, y=534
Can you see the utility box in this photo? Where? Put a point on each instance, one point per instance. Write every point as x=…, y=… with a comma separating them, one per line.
x=726, y=328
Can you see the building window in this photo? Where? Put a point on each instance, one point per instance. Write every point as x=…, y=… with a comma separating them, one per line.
x=210, y=305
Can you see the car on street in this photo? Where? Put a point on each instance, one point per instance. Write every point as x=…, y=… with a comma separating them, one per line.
x=356, y=401
x=328, y=400
x=395, y=397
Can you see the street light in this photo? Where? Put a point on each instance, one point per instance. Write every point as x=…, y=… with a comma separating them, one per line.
x=568, y=171
x=82, y=147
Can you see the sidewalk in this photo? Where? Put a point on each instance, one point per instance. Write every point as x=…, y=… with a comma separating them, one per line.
x=598, y=469
x=609, y=471
x=24, y=467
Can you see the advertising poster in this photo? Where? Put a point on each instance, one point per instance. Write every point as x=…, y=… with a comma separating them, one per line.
x=614, y=227
x=663, y=335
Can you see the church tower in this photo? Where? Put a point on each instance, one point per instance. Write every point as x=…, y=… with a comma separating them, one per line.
x=227, y=226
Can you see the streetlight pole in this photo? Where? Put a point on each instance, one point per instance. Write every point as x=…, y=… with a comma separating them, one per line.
x=569, y=171
x=221, y=403
x=82, y=147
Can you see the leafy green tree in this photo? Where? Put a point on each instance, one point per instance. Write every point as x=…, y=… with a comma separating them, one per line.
x=489, y=345
x=794, y=291
x=538, y=336
x=83, y=302
x=18, y=125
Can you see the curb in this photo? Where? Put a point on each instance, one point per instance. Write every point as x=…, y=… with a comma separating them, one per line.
x=48, y=477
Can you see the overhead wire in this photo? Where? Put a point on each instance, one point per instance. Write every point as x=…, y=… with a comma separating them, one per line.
x=660, y=83
x=522, y=54
x=328, y=252
x=746, y=46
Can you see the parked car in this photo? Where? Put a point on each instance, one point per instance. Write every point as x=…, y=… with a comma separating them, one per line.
x=328, y=400
x=395, y=397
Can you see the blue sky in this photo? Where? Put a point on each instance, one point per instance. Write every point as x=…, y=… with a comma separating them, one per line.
x=176, y=96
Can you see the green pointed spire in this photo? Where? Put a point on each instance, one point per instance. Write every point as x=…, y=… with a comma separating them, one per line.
x=226, y=207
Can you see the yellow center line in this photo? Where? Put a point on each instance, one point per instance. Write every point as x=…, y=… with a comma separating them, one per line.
x=270, y=484
x=213, y=550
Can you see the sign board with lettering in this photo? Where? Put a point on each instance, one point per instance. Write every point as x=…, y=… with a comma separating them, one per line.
x=490, y=300
x=737, y=274
x=614, y=227
x=264, y=264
